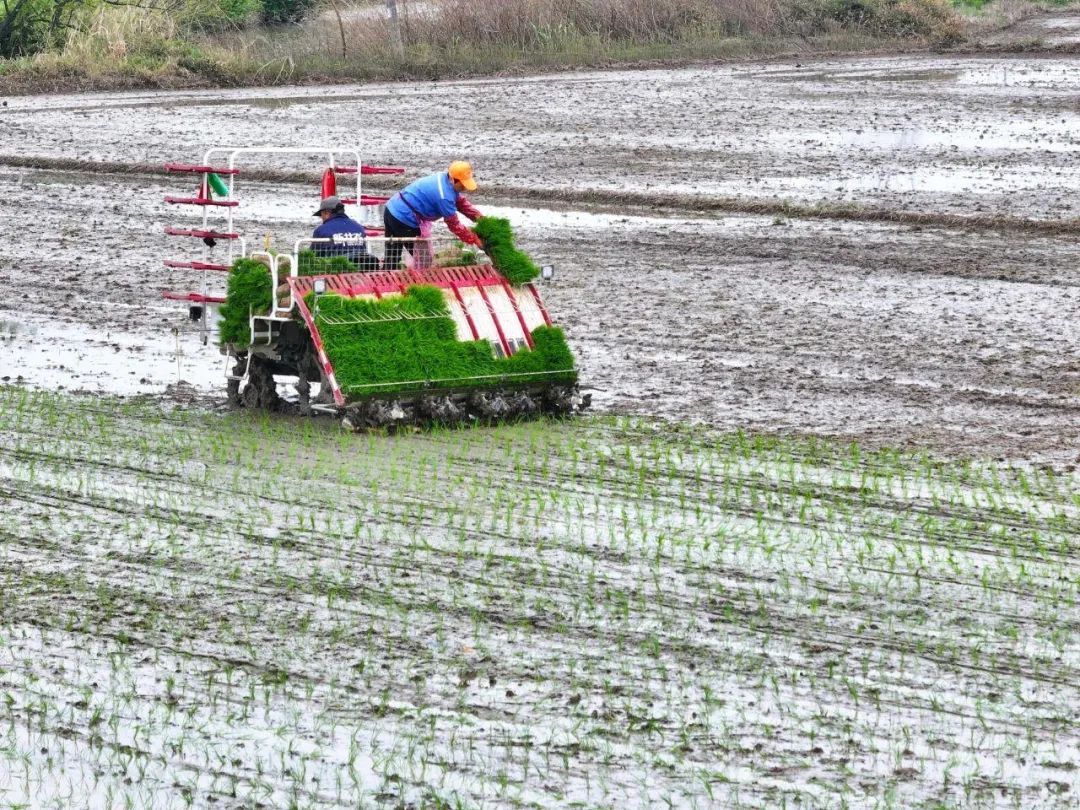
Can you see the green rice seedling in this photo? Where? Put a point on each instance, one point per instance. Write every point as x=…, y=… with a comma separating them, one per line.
x=310, y=264
x=395, y=343
x=498, y=239
x=248, y=291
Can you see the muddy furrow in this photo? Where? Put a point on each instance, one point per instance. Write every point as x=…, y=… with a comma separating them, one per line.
x=744, y=507
x=555, y=589
x=619, y=200
x=556, y=581
x=693, y=655
x=963, y=528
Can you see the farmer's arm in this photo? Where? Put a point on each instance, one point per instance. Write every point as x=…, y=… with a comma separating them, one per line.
x=467, y=208
x=458, y=229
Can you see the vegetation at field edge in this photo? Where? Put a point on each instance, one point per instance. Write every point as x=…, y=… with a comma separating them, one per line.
x=252, y=42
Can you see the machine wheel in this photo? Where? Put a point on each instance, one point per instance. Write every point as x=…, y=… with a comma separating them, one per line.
x=232, y=387
x=261, y=390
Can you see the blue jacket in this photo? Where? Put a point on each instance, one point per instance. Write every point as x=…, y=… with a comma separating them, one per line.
x=429, y=198
x=347, y=235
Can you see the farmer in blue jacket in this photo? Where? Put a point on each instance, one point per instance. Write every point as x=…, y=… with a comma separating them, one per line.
x=346, y=235
x=437, y=196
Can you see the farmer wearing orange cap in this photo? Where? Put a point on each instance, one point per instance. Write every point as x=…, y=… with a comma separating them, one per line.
x=437, y=196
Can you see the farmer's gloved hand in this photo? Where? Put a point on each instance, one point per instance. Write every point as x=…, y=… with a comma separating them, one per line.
x=209, y=241
x=467, y=208
x=458, y=229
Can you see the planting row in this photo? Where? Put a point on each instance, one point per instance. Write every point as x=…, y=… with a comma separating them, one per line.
x=605, y=613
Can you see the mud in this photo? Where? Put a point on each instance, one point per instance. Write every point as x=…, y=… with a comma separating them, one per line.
x=962, y=340
x=235, y=612
x=961, y=134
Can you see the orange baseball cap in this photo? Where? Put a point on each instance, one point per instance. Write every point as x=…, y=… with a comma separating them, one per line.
x=461, y=170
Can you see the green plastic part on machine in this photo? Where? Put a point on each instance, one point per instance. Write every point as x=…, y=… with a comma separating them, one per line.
x=218, y=185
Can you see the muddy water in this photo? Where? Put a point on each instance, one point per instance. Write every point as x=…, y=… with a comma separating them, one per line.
x=966, y=342
x=41, y=351
x=957, y=134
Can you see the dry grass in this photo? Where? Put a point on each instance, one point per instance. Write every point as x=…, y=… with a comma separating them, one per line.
x=998, y=14
x=452, y=38
x=119, y=46
x=463, y=32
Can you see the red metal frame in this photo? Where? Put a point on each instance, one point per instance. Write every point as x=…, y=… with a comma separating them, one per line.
x=498, y=324
x=316, y=338
x=382, y=282
x=201, y=201
x=194, y=297
x=393, y=281
x=365, y=169
x=365, y=199
x=224, y=268
x=200, y=234
x=465, y=309
x=187, y=167
x=539, y=303
x=517, y=311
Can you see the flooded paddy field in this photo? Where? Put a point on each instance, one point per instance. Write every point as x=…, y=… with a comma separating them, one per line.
x=963, y=134
x=965, y=341
x=817, y=547
x=239, y=611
